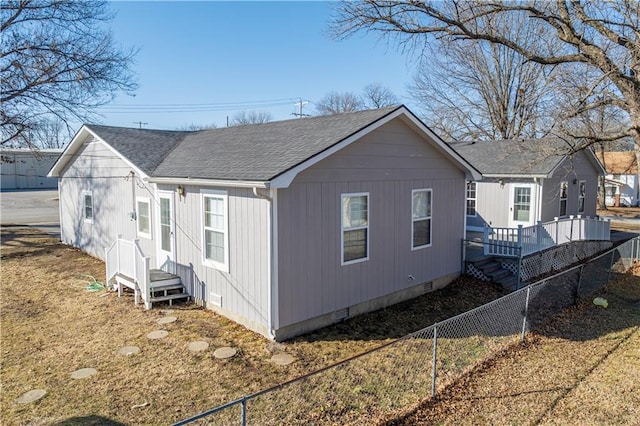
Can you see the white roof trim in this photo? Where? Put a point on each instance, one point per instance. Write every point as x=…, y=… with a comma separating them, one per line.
x=284, y=179
x=78, y=140
x=208, y=182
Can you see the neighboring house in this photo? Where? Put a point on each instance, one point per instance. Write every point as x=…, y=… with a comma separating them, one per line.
x=526, y=181
x=621, y=181
x=27, y=168
x=283, y=227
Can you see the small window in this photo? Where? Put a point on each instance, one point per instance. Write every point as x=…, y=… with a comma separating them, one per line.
x=355, y=228
x=471, y=199
x=215, y=230
x=563, y=198
x=87, y=206
x=143, y=217
x=582, y=191
x=420, y=218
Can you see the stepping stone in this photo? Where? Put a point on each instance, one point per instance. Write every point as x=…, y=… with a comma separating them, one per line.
x=129, y=350
x=166, y=311
x=158, y=334
x=282, y=359
x=198, y=346
x=166, y=320
x=83, y=373
x=225, y=352
x=31, y=396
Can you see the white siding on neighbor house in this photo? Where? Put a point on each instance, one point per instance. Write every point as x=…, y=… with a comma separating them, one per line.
x=244, y=290
x=574, y=169
x=388, y=164
x=97, y=169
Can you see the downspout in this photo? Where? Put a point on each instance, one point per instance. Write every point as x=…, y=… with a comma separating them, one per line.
x=271, y=263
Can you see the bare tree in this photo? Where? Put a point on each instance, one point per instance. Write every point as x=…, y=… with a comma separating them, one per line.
x=468, y=89
x=251, y=117
x=50, y=133
x=337, y=102
x=57, y=61
x=193, y=127
x=600, y=36
x=377, y=96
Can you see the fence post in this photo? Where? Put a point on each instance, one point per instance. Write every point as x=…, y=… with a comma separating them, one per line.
x=555, y=241
x=519, y=272
x=570, y=228
x=526, y=311
x=519, y=243
x=118, y=250
x=539, y=235
x=243, y=413
x=613, y=252
x=575, y=300
x=435, y=354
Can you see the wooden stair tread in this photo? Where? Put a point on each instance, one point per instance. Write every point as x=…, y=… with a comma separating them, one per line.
x=169, y=297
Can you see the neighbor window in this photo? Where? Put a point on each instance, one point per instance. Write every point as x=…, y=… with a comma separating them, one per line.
x=582, y=190
x=143, y=217
x=420, y=218
x=355, y=228
x=563, y=198
x=471, y=198
x=215, y=232
x=87, y=206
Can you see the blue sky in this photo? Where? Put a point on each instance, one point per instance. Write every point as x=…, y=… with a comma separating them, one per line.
x=204, y=61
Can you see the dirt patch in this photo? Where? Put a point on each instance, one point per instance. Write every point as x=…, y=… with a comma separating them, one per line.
x=52, y=326
x=622, y=212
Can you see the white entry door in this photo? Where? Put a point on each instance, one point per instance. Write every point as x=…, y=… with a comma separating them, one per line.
x=521, y=206
x=165, y=235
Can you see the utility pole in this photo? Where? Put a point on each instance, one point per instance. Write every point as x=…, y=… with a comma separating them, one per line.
x=140, y=123
x=300, y=105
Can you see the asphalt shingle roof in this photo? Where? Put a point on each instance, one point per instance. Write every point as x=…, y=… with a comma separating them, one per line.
x=257, y=152
x=145, y=148
x=262, y=151
x=513, y=157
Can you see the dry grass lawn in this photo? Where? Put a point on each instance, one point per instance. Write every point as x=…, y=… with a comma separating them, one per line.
x=581, y=369
x=51, y=326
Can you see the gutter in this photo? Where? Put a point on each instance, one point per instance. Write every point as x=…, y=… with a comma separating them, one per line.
x=209, y=182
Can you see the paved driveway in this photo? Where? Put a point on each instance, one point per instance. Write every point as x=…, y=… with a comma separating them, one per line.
x=37, y=208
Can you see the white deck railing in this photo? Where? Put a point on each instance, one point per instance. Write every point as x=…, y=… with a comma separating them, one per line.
x=126, y=258
x=522, y=241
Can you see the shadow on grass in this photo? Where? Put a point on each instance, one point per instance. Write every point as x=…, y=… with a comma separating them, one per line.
x=399, y=320
x=89, y=421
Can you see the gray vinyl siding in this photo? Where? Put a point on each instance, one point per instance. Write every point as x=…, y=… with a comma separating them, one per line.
x=97, y=169
x=492, y=205
x=388, y=164
x=244, y=291
x=578, y=167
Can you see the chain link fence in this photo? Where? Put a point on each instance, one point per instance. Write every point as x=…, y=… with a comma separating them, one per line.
x=374, y=385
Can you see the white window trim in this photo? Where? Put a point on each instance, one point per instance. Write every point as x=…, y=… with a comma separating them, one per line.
x=423, y=218
x=353, y=228
x=580, y=196
x=566, y=200
x=138, y=231
x=467, y=198
x=84, y=207
x=223, y=195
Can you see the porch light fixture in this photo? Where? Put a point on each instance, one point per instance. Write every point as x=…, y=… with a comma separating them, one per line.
x=575, y=181
x=180, y=191
x=501, y=182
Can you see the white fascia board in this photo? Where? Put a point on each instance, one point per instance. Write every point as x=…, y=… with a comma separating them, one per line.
x=208, y=182
x=284, y=180
x=78, y=140
x=516, y=176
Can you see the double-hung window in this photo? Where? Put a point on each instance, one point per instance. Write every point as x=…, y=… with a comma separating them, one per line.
x=471, y=199
x=420, y=218
x=355, y=228
x=215, y=229
x=143, y=217
x=87, y=206
x=582, y=191
x=564, y=187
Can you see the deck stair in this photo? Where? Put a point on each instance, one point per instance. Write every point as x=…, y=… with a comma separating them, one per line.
x=492, y=269
x=166, y=286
